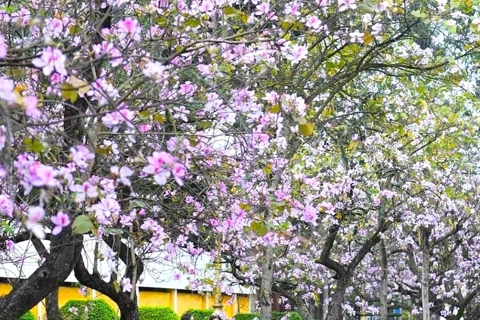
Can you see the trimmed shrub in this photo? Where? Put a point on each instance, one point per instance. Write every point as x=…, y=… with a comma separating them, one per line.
x=200, y=314
x=277, y=315
x=246, y=316
x=157, y=313
x=28, y=316
x=97, y=310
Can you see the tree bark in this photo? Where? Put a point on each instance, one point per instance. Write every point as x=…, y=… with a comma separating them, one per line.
x=335, y=311
x=47, y=278
x=52, y=309
x=128, y=307
x=51, y=306
x=325, y=293
x=425, y=273
x=266, y=284
x=384, y=282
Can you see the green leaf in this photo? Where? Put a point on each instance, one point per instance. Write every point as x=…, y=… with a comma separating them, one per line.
x=192, y=22
x=162, y=22
x=82, y=225
x=229, y=11
x=116, y=285
x=306, y=129
x=33, y=145
x=259, y=228
x=75, y=29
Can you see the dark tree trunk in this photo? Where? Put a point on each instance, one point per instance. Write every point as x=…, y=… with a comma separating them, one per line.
x=46, y=279
x=53, y=311
x=335, y=310
x=128, y=307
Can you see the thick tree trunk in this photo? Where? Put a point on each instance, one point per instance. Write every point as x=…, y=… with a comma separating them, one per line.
x=53, y=312
x=383, y=282
x=425, y=274
x=335, y=309
x=46, y=279
x=51, y=306
x=325, y=293
x=266, y=284
x=128, y=307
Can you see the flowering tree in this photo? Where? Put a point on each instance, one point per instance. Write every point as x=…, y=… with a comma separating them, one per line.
x=282, y=137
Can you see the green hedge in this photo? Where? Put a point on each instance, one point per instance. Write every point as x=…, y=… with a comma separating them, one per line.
x=276, y=315
x=200, y=314
x=246, y=316
x=97, y=310
x=28, y=316
x=157, y=313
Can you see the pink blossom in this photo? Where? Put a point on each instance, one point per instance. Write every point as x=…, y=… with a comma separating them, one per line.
x=206, y=6
x=42, y=175
x=73, y=310
x=156, y=70
x=124, y=173
x=51, y=60
x=309, y=215
x=356, y=36
x=182, y=113
x=126, y=285
x=10, y=245
x=313, y=22
x=54, y=26
x=126, y=220
x=3, y=172
x=3, y=47
x=178, y=172
x=6, y=205
x=297, y=53
x=3, y=133
x=344, y=5
x=35, y=215
x=6, y=89
x=113, y=119
x=81, y=155
x=61, y=220
x=31, y=107
x=107, y=48
x=263, y=8
x=86, y=190
x=157, y=162
x=129, y=27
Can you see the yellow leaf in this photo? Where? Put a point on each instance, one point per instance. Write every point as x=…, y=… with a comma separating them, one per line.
x=159, y=118
x=69, y=92
x=229, y=11
x=18, y=97
x=367, y=38
x=353, y=145
x=20, y=87
x=274, y=109
x=81, y=85
x=306, y=129
x=327, y=112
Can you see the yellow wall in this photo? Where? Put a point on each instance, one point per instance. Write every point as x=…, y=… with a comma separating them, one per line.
x=185, y=300
x=153, y=299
